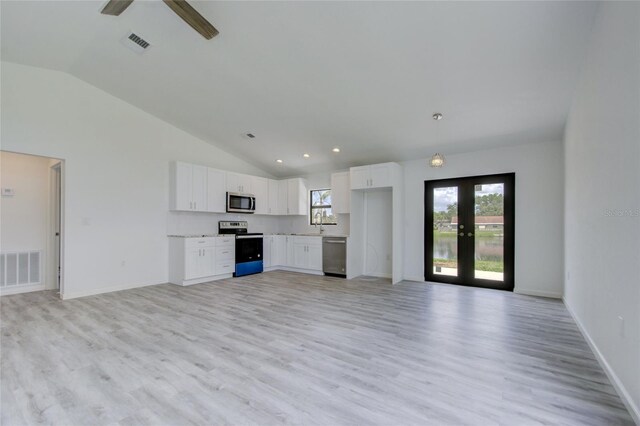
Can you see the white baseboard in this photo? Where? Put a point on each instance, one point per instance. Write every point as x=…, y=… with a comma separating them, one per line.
x=377, y=275
x=613, y=377
x=19, y=289
x=75, y=294
x=186, y=283
x=289, y=269
x=417, y=279
x=530, y=292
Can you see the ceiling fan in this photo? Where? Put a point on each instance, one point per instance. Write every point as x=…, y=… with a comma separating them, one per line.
x=180, y=7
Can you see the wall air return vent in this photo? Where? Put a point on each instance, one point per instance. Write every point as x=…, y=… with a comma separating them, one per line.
x=136, y=43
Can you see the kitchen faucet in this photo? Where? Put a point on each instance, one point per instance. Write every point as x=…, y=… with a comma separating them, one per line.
x=316, y=222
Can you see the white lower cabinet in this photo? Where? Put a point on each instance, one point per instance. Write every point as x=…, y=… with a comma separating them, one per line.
x=307, y=253
x=293, y=252
x=197, y=260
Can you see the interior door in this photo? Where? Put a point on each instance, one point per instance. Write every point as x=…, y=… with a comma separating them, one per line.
x=469, y=231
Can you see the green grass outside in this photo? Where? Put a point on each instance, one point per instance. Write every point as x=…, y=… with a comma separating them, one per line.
x=480, y=234
x=481, y=265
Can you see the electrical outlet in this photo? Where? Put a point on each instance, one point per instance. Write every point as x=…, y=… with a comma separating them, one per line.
x=568, y=275
x=123, y=263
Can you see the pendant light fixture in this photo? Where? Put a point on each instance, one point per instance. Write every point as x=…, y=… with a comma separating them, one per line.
x=437, y=159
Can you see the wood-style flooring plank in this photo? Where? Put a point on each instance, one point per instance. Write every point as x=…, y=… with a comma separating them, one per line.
x=288, y=348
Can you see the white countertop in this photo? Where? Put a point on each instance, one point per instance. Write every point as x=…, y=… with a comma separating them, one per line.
x=198, y=235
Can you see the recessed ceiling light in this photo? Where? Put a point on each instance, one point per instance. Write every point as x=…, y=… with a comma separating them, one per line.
x=279, y=161
x=336, y=149
x=306, y=155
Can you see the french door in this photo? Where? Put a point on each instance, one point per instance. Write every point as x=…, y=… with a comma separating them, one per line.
x=469, y=231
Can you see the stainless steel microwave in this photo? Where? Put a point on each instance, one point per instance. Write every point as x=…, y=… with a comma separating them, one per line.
x=241, y=203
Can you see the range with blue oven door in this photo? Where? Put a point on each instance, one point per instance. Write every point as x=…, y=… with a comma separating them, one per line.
x=248, y=247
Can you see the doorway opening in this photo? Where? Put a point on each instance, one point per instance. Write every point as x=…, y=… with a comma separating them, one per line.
x=469, y=231
x=32, y=221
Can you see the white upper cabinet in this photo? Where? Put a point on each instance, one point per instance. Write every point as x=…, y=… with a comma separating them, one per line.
x=203, y=189
x=272, y=207
x=216, y=191
x=340, y=192
x=360, y=177
x=297, y=197
x=188, y=189
x=283, y=197
x=260, y=188
x=381, y=175
x=373, y=176
x=238, y=182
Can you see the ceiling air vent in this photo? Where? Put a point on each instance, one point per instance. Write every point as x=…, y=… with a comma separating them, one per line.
x=139, y=41
x=136, y=43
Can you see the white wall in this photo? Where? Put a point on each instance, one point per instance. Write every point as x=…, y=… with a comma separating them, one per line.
x=24, y=220
x=116, y=173
x=300, y=224
x=25, y=216
x=539, y=207
x=602, y=210
x=186, y=223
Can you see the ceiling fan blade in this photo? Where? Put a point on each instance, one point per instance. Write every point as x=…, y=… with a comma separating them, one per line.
x=116, y=7
x=193, y=18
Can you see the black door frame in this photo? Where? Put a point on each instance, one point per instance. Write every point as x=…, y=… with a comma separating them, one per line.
x=467, y=244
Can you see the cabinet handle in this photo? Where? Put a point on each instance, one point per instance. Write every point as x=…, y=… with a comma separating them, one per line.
x=195, y=205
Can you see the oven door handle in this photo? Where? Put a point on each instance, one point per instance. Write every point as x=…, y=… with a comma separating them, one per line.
x=246, y=237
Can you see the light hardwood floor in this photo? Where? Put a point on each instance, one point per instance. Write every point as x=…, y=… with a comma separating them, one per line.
x=283, y=347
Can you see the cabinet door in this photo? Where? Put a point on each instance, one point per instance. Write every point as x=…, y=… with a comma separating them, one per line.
x=216, y=191
x=246, y=183
x=297, y=197
x=314, y=254
x=208, y=262
x=199, y=188
x=183, y=175
x=340, y=192
x=283, y=197
x=289, y=252
x=300, y=256
x=380, y=176
x=267, y=251
x=233, y=182
x=192, y=263
x=273, y=189
x=360, y=177
x=279, y=253
x=260, y=188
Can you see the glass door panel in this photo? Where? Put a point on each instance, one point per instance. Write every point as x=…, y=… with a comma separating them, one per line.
x=469, y=231
x=489, y=231
x=445, y=237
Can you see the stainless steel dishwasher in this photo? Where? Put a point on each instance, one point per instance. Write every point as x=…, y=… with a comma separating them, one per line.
x=334, y=256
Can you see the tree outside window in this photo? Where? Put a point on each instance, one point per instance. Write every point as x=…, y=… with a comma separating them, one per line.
x=321, y=212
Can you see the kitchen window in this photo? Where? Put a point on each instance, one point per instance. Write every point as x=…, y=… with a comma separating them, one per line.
x=320, y=211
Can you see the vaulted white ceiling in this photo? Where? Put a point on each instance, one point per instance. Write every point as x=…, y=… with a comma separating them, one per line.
x=305, y=77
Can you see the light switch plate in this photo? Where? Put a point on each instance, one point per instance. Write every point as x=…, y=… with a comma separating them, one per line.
x=8, y=192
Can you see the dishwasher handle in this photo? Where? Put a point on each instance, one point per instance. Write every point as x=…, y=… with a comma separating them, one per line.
x=335, y=242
